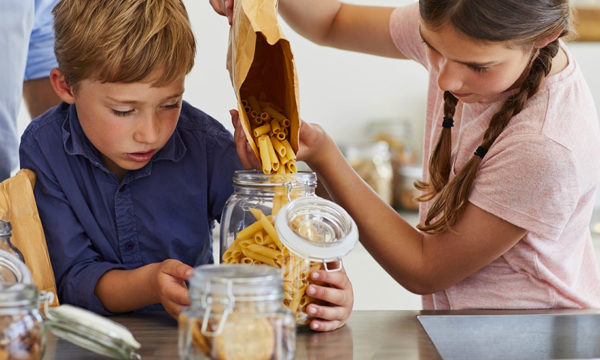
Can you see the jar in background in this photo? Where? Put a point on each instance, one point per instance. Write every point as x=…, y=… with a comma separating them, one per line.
x=22, y=334
x=372, y=162
x=5, y=244
x=405, y=192
x=236, y=312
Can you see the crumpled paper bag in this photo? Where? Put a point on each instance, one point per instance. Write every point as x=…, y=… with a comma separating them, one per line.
x=260, y=61
x=17, y=205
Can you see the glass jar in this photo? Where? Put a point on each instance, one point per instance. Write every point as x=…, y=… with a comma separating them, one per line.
x=372, y=162
x=22, y=334
x=236, y=312
x=249, y=215
x=5, y=244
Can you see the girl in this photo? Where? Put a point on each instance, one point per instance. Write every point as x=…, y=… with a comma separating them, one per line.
x=511, y=137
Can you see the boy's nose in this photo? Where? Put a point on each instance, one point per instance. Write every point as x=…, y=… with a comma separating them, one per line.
x=148, y=130
x=449, y=78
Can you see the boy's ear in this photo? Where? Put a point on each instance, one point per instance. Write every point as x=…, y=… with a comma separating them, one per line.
x=547, y=40
x=60, y=86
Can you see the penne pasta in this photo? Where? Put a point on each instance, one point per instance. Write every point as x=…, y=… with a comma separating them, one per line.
x=264, y=154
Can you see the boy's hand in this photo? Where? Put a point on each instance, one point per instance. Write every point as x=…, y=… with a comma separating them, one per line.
x=337, y=292
x=223, y=7
x=169, y=286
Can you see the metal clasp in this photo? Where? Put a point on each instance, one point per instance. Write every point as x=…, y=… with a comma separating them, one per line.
x=207, y=303
x=339, y=261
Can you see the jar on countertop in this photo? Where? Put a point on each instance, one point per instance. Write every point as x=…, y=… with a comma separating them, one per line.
x=23, y=326
x=249, y=234
x=236, y=312
x=5, y=244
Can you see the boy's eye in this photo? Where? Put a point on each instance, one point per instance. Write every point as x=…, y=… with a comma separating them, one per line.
x=122, y=113
x=173, y=106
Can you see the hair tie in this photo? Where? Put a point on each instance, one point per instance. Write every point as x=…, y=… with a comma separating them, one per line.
x=481, y=151
x=448, y=122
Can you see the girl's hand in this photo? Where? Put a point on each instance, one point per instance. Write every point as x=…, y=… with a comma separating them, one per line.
x=223, y=7
x=336, y=291
x=245, y=153
x=313, y=141
x=169, y=285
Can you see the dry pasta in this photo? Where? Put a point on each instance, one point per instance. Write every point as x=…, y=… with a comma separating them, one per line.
x=259, y=243
x=270, y=129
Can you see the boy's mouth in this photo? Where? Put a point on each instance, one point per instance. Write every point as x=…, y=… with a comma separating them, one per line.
x=141, y=156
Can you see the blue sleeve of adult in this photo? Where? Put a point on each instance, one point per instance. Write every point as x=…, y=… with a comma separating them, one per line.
x=41, y=58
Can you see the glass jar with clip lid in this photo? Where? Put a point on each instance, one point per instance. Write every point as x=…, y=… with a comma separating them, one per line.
x=249, y=235
x=236, y=312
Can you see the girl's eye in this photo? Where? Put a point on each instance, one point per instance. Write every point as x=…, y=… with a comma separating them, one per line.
x=479, y=69
x=121, y=113
x=173, y=106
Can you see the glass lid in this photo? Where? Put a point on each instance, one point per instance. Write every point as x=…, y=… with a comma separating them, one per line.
x=92, y=332
x=316, y=229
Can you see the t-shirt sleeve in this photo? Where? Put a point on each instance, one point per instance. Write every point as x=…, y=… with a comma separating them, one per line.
x=404, y=30
x=530, y=182
x=41, y=58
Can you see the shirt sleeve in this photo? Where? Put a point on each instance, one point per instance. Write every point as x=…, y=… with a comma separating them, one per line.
x=404, y=30
x=41, y=58
x=529, y=181
x=77, y=265
x=223, y=162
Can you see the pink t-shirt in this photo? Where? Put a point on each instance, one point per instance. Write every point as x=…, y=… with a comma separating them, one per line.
x=541, y=174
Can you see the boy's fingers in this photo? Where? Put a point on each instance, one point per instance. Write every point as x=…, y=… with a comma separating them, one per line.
x=177, y=269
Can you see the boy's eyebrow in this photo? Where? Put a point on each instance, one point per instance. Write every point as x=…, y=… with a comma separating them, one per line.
x=468, y=63
x=136, y=101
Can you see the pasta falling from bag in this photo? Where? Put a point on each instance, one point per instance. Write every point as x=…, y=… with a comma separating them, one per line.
x=262, y=71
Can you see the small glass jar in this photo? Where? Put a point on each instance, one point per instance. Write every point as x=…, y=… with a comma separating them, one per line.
x=22, y=334
x=5, y=244
x=236, y=312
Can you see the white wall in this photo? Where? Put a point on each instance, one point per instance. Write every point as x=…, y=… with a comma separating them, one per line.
x=342, y=91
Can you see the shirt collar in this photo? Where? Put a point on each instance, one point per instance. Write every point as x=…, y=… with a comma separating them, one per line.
x=76, y=143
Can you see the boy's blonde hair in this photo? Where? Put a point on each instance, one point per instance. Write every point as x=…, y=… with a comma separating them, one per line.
x=123, y=41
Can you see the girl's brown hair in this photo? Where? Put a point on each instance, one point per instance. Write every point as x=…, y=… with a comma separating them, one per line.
x=517, y=22
x=123, y=40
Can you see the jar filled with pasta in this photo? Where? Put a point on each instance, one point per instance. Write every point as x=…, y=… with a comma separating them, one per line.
x=247, y=232
x=236, y=312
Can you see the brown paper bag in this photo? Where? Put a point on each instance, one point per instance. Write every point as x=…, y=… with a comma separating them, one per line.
x=18, y=206
x=260, y=63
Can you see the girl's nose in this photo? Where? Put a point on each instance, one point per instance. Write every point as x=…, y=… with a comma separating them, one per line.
x=449, y=77
x=147, y=131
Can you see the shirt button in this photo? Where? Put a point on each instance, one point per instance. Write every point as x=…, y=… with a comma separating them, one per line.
x=129, y=246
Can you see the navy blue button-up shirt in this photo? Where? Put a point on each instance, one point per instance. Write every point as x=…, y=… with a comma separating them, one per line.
x=95, y=222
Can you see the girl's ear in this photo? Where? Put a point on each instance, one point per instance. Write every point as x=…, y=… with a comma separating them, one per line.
x=547, y=40
x=61, y=87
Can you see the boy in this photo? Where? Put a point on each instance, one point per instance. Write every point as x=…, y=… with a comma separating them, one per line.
x=130, y=177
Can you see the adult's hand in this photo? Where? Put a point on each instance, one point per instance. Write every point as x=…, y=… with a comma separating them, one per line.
x=223, y=7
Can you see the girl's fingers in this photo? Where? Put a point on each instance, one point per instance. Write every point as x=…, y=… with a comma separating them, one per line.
x=320, y=325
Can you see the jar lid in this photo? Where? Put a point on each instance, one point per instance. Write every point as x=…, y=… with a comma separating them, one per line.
x=316, y=229
x=241, y=281
x=92, y=332
x=259, y=179
x=12, y=269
